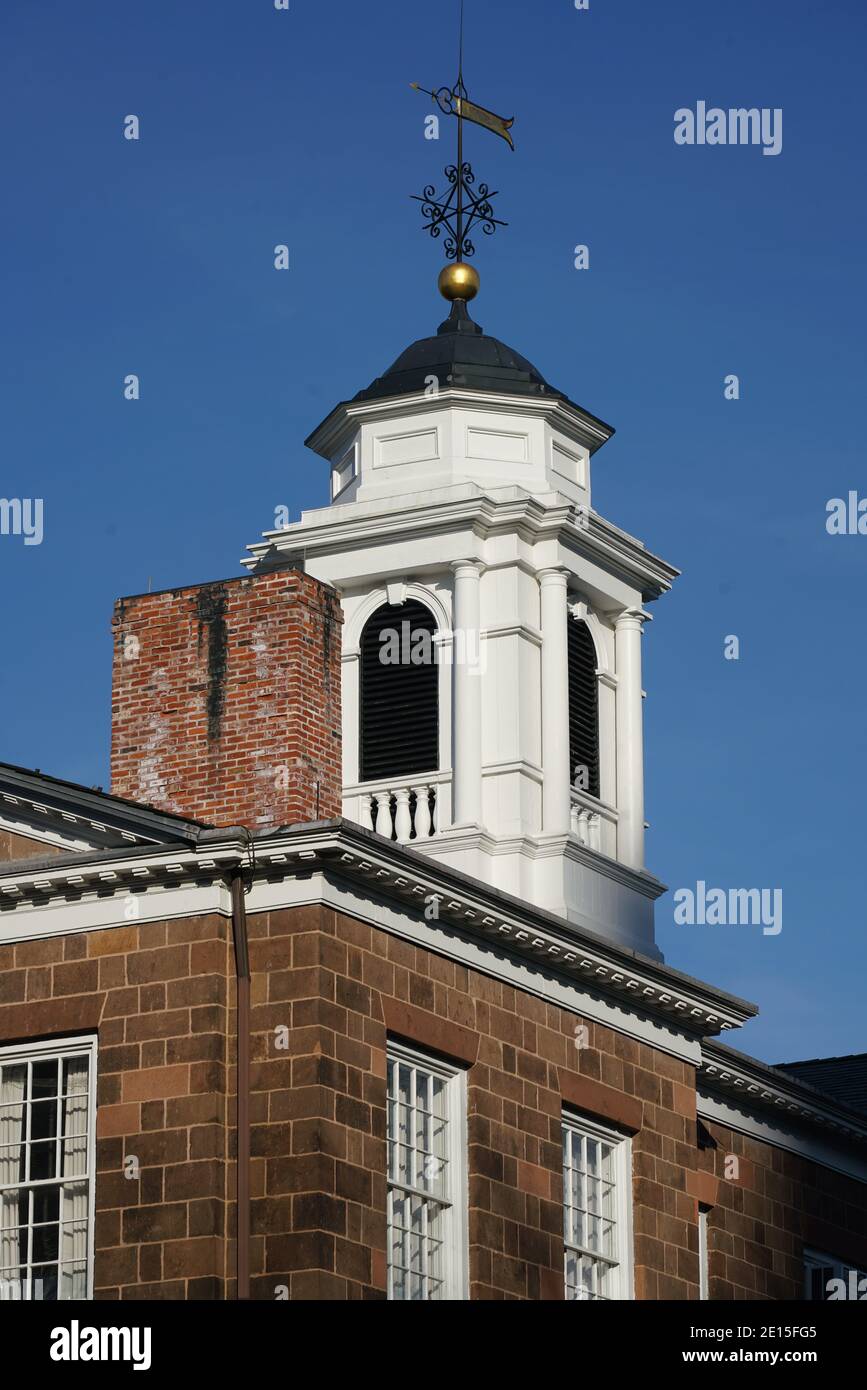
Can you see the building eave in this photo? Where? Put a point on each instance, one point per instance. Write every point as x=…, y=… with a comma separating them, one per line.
x=757, y=1086
x=344, y=419
x=360, y=525
x=53, y=805
x=396, y=873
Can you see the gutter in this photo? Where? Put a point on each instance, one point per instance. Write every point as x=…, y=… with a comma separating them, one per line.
x=242, y=1039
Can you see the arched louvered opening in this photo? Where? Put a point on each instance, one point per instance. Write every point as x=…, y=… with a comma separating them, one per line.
x=583, y=709
x=399, y=714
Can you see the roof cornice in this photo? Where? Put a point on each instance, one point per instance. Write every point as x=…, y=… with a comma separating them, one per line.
x=346, y=417
x=396, y=873
x=757, y=1086
x=364, y=522
x=57, y=806
x=591, y=535
x=358, y=525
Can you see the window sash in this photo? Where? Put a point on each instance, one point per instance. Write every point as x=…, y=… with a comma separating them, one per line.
x=47, y=1146
x=819, y=1269
x=596, y=1212
x=426, y=1178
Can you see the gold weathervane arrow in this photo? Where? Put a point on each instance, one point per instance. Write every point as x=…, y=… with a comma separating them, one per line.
x=458, y=105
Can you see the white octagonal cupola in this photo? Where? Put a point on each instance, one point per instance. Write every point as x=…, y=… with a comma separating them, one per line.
x=460, y=532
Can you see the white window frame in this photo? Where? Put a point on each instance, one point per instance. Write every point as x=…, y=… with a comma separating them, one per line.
x=840, y=1269
x=703, y=1253
x=455, y=1258
x=51, y=1048
x=621, y=1145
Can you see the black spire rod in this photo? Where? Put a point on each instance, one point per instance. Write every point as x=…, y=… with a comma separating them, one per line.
x=462, y=91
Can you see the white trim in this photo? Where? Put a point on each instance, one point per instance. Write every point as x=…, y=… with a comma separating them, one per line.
x=167, y=904
x=378, y=598
x=155, y=903
x=755, y=1085
x=685, y=1006
x=576, y=424
x=487, y=959
x=479, y=514
x=703, y=1253
x=621, y=1147
x=85, y=1044
x=456, y=1273
x=581, y=612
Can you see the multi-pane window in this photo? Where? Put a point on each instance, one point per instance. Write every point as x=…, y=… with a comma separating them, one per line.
x=426, y=1178
x=596, y=1211
x=46, y=1132
x=829, y=1280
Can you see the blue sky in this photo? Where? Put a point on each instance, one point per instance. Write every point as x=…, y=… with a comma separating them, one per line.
x=261, y=127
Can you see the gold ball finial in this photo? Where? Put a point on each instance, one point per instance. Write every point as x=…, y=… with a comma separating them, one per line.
x=458, y=281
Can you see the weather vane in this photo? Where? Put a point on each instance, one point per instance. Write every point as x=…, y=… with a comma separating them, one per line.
x=464, y=205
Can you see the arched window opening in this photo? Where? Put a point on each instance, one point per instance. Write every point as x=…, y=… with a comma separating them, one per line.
x=399, y=716
x=583, y=709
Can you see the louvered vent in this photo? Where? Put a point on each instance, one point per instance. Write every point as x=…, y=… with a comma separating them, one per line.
x=583, y=708
x=399, y=715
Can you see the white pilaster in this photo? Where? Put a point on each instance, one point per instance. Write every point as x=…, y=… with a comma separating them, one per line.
x=467, y=774
x=630, y=738
x=555, y=702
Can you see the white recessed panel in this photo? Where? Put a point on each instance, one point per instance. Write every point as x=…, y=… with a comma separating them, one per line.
x=497, y=446
x=420, y=446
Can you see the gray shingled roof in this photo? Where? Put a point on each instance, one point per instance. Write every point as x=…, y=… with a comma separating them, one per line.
x=843, y=1079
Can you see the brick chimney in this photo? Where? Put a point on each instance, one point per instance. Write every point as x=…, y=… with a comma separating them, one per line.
x=226, y=700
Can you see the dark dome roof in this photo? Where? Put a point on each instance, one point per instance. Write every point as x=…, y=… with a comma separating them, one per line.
x=461, y=354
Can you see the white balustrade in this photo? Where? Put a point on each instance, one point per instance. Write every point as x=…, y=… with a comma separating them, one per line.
x=407, y=811
x=594, y=823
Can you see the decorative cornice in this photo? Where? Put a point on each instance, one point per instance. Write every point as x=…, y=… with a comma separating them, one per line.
x=401, y=874
x=405, y=518
x=25, y=814
x=346, y=417
x=65, y=809
x=593, y=535
x=757, y=1086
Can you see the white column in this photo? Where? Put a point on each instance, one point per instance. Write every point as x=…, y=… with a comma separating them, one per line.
x=467, y=710
x=555, y=703
x=630, y=738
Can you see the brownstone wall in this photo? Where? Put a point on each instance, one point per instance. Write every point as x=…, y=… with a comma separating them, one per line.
x=13, y=846
x=773, y=1205
x=327, y=992
x=156, y=996
x=340, y=987
x=226, y=700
